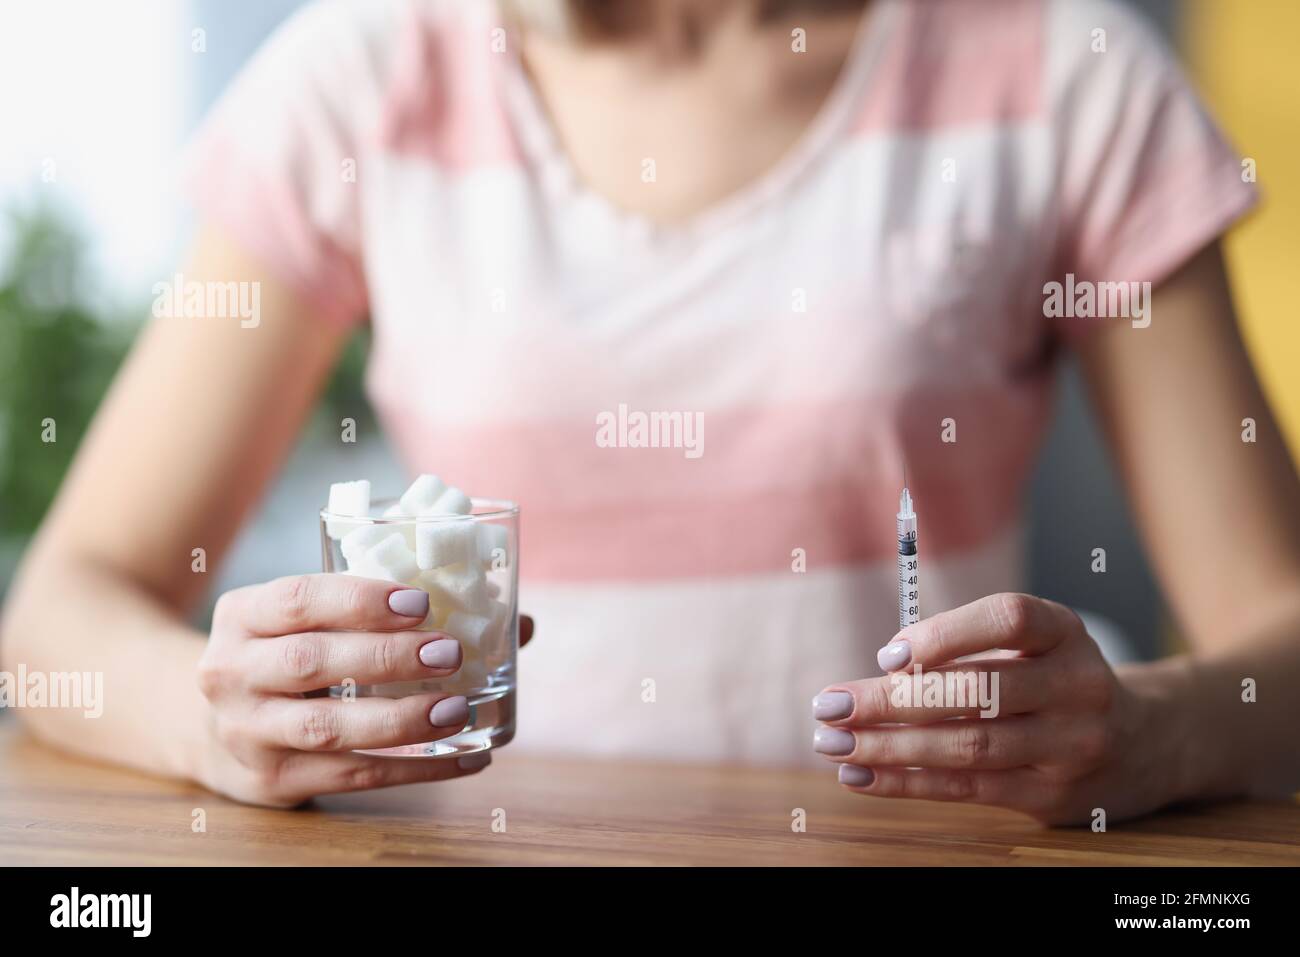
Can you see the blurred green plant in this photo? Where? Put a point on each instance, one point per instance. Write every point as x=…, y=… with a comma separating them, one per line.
x=60, y=346
x=57, y=356
x=345, y=396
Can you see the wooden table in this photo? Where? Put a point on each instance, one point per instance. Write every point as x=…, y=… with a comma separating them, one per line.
x=62, y=811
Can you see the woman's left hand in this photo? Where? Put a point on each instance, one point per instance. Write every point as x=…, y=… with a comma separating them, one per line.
x=1062, y=737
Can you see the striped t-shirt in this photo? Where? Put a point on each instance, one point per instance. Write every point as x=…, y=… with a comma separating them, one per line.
x=876, y=298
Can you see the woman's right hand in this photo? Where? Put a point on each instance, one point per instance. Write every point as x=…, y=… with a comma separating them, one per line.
x=273, y=643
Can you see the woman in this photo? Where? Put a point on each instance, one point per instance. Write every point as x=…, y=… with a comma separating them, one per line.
x=824, y=231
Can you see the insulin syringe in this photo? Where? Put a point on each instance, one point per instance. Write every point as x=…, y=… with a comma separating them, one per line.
x=909, y=588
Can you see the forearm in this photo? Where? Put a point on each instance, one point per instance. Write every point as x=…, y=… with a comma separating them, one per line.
x=66, y=616
x=1229, y=714
x=1253, y=731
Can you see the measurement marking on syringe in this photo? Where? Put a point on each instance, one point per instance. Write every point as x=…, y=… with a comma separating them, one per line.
x=909, y=587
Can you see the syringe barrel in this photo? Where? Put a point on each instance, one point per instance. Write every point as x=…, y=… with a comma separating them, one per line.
x=909, y=588
x=906, y=529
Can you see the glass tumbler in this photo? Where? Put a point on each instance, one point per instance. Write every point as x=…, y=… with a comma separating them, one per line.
x=473, y=599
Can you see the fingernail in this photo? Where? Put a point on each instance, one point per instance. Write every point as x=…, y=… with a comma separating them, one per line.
x=413, y=603
x=856, y=777
x=450, y=712
x=472, y=762
x=894, y=655
x=833, y=741
x=832, y=705
x=443, y=653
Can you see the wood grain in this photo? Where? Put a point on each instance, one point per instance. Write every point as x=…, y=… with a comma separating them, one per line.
x=59, y=810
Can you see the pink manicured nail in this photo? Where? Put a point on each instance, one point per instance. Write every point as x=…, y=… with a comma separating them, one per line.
x=450, y=712
x=894, y=655
x=856, y=777
x=832, y=705
x=411, y=602
x=833, y=741
x=442, y=653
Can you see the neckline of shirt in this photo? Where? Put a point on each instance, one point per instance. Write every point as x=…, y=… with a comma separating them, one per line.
x=561, y=183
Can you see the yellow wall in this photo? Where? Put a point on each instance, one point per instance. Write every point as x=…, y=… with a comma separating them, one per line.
x=1245, y=57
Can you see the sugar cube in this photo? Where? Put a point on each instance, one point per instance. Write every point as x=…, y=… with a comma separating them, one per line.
x=459, y=587
x=498, y=616
x=365, y=569
x=394, y=557
x=350, y=498
x=467, y=627
x=435, y=616
x=347, y=498
x=469, y=679
x=422, y=494
x=490, y=539
x=452, y=502
x=443, y=543
x=361, y=539
x=482, y=631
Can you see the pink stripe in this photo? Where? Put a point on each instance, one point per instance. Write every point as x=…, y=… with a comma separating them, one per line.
x=823, y=477
x=445, y=102
x=954, y=62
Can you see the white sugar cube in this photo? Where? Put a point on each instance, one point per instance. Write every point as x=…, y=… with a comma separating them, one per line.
x=458, y=587
x=366, y=569
x=467, y=627
x=393, y=516
x=499, y=617
x=482, y=631
x=444, y=543
x=394, y=557
x=361, y=539
x=422, y=494
x=451, y=502
x=350, y=498
x=406, y=530
x=470, y=678
x=340, y=528
x=347, y=498
x=440, y=598
x=490, y=539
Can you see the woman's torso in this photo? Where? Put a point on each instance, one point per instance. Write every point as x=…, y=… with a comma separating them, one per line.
x=818, y=326
x=869, y=292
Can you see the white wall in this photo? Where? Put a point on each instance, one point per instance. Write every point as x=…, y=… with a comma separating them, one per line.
x=92, y=109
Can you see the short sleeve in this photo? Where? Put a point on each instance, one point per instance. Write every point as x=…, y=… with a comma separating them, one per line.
x=278, y=164
x=1145, y=177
